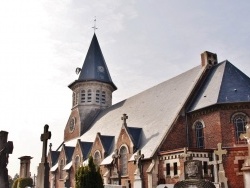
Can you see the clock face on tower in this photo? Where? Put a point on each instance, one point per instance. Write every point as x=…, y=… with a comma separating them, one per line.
x=72, y=124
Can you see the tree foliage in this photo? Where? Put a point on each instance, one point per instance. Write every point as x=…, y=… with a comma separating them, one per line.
x=22, y=183
x=89, y=176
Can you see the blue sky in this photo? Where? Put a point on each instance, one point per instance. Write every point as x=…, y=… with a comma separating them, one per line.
x=143, y=42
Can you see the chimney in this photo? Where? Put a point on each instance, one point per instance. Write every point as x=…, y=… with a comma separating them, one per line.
x=208, y=59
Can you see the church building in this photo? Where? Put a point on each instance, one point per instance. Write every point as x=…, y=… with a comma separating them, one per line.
x=147, y=137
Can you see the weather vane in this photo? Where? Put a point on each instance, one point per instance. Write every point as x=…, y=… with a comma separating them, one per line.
x=95, y=28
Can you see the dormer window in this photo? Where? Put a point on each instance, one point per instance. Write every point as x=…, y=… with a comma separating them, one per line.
x=97, y=97
x=89, y=95
x=83, y=98
x=103, y=97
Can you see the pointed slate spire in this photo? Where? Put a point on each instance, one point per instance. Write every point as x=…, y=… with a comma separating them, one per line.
x=94, y=67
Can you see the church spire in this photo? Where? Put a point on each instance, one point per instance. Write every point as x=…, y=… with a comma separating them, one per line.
x=94, y=67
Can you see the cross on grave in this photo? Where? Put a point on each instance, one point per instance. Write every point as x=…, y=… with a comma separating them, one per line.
x=116, y=173
x=222, y=178
x=219, y=152
x=50, y=146
x=124, y=118
x=247, y=137
x=138, y=157
x=185, y=155
x=44, y=138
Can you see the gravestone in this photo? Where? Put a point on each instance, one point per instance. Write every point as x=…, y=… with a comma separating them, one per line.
x=222, y=177
x=193, y=176
x=6, y=148
x=43, y=168
x=246, y=165
x=138, y=171
x=24, y=166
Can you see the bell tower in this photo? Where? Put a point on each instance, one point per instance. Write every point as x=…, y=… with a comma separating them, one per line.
x=91, y=92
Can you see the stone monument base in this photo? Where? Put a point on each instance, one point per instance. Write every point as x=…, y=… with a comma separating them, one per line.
x=137, y=182
x=246, y=175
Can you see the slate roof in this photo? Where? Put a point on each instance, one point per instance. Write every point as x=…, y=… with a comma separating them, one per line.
x=69, y=152
x=224, y=84
x=85, y=147
x=54, y=156
x=94, y=67
x=135, y=135
x=107, y=142
x=153, y=110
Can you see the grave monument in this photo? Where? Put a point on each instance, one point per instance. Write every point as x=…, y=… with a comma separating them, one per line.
x=6, y=148
x=246, y=165
x=43, y=168
x=25, y=166
x=193, y=176
x=138, y=171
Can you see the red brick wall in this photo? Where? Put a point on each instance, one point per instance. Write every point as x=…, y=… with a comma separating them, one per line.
x=70, y=135
x=177, y=136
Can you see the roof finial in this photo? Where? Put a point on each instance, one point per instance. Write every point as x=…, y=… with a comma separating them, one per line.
x=94, y=27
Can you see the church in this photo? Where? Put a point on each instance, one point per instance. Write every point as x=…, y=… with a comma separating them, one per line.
x=146, y=138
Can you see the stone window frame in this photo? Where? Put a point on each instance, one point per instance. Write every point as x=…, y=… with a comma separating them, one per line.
x=201, y=138
x=103, y=97
x=237, y=133
x=61, y=166
x=123, y=161
x=77, y=162
x=83, y=96
x=89, y=95
x=97, y=96
x=97, y=161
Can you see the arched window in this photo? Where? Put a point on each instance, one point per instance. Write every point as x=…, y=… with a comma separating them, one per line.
x=83, y=99
x=97, y=158
x=97, y=97
x=123, y=161
x=103, y=97
x=199, y=134
x=77, y=162
x=61, y=168
x=89, y=96
x=240, y=127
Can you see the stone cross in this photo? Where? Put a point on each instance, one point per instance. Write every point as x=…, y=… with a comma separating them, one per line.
x=44, y=138
x=138, y=157
x=220, y=152
x=186, y=155
x=222, y=177
x=247, y=137
x=50, y=146
x=116, y=173
x=124, y=118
